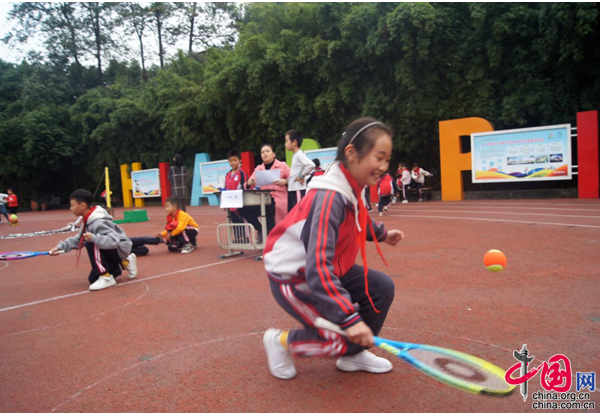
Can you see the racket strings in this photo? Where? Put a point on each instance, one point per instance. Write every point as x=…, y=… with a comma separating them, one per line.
x=464, y=368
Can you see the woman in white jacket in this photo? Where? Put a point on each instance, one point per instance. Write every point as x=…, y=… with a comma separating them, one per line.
x=418, y=175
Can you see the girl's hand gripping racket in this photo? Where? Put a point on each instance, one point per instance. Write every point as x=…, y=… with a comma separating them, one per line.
x=458, y=369
x=24, y=255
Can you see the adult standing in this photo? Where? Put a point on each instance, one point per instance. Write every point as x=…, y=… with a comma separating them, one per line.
x=279, y=187
x=178, y=178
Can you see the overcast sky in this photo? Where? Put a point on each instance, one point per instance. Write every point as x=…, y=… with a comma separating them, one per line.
x=18, y=52
x=7, y=54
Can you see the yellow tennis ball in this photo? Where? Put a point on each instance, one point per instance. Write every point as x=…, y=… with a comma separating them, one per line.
x=494, y=261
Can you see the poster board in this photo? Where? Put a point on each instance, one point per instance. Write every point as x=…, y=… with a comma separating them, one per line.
x=522, y=155
x=212, y=175
x=325, y=155
x=145, y=183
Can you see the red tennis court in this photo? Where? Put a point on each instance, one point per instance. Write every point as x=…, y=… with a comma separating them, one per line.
x=186, y=334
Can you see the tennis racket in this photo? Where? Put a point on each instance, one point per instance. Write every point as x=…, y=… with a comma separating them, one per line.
x=24, y=255
x=460, y=370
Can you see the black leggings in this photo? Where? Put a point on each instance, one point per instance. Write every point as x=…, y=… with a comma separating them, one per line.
x=139, y=244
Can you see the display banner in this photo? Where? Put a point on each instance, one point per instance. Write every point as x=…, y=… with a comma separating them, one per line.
x=146, y=183
x=530, y=154
x=326, y=156
x=213, y=175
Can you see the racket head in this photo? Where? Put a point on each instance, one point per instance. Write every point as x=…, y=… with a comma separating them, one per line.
x=460, y=370
x=24, y=255
x=19, y=255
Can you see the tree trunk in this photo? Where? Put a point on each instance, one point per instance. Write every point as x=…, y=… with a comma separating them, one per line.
x=98, y=43
x=144, y=75
x=73, y=46
x=160, y=44
x=192, y=21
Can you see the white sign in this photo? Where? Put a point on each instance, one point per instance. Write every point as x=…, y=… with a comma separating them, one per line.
x=232, y=199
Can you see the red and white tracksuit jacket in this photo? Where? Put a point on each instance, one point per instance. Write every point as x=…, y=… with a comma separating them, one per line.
x=318, y=242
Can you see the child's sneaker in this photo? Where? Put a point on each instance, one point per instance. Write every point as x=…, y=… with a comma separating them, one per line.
x=364, y=361
x=380, y=214
x=188, y=248
x=386, y=208
x=404, y=201
x=132, y=266
x=280, y=360
x=103, y=282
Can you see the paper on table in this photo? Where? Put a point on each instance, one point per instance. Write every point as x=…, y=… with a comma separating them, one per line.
x=232, y=199
x=266, y=177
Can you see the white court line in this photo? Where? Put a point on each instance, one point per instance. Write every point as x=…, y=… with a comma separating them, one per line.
x=496, y=220
x=472, y=202
x=523, y=208
x=421, y=210
x=6, y=264
x=70, y=295
x=167, y=354
x=43, y=328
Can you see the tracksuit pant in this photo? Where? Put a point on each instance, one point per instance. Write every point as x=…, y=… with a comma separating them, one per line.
x=3, y=212
x=298, y=301
x=368, y=199
x=103, y=261
x=183, y=238
x=294, y=197
x=139, y=244
x=252, y=213
x=384, y=200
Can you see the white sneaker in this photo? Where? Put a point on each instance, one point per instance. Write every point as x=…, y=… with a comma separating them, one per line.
x=132, y=266
x=188, y=248
x=364, y=361
x=380, y=214
x=420, y=200
x=280, y=360
x=404, y=201
x=103, y=282
x=386, y=208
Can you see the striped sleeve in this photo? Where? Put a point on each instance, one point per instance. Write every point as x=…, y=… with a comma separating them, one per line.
x=320, y=237
x=379, y=230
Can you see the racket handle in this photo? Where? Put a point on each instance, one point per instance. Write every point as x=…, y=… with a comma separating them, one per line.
x=330, y=326
x=57, y=252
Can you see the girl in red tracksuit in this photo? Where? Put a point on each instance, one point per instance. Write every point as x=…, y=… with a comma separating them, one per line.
x=310, y=261
x=386, y=187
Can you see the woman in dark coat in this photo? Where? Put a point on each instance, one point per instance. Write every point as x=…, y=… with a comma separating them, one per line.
x=178, y=179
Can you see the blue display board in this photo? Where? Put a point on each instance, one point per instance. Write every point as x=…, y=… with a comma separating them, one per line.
x=326, y=156
x=522, y=155
x=213, y=176
x=197, y=193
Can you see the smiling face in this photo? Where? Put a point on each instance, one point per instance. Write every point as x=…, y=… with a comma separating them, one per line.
x=368, y=169
x=267, y=154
